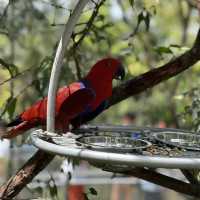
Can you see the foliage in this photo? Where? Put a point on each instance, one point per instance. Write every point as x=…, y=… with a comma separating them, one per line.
x=191, y=113
x=143, y=33
x=140, y=35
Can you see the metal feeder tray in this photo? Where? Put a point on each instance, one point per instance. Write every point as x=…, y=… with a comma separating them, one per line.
x=112, y=143
x=96, y=146
x=181, y=139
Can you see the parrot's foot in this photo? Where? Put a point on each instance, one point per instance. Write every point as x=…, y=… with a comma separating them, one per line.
x=69, y=134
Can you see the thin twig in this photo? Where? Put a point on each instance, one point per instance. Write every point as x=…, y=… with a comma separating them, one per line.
x=89, y=24
x=16, y=76
x=157, y=75
x=7, y=65
x=11, y=99
x=84, y=33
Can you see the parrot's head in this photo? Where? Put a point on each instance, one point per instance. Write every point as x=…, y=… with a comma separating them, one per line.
x=107, y=69
x=100, y=78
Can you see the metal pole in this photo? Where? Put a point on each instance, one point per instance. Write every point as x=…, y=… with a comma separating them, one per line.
x=56, y=69
x=57, y=64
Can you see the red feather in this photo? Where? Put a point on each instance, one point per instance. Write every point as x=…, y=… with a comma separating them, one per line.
x=71, y=100
x=39, y=109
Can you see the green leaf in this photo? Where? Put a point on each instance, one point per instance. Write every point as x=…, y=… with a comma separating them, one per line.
x=37, y=85
x=131, y=2
x=53, y=191
x=162, y=50
x=13, y=70
x=38, y=190
x=175, y=46
x=140, y=18
x=11, y=107
x=144, y=16
x=93, y=191
x=147, y=20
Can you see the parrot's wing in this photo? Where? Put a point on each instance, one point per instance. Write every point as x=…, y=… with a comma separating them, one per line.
x=76, y=103
x=88, y=116
x=70, y=99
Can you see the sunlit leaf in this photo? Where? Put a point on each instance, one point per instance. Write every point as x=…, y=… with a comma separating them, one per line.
x=163, y=50
x=179, y=97
x=150, y=3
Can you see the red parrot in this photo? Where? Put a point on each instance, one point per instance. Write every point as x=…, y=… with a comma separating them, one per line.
x=76, y=103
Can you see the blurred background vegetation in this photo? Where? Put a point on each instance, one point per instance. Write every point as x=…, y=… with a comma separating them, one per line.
x=143, y=33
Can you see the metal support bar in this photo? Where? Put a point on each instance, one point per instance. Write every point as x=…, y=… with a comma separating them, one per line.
x=117, y=158
x=56, y=69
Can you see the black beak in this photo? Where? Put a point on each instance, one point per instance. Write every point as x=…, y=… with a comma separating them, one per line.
x=120, y=73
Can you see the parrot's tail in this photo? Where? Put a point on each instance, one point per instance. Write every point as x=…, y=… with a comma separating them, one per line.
x=15, y=122
x=4, y=132
x=14, y=128
x=19, y=129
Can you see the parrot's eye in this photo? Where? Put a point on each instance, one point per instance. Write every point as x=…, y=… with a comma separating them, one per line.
x=120, y=74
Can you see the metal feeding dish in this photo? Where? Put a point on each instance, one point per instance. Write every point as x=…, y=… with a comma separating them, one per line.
x=112, y=143
x=118, y=148
x=184, y=140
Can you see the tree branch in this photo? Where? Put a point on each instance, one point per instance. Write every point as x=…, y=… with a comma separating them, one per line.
x=7, y=65
x=165, y=181
x=157, y=75
x=89, y=24
x=134, y=86
x=24, y=176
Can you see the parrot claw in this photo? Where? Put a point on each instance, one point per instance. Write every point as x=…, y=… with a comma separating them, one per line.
x=70, y=135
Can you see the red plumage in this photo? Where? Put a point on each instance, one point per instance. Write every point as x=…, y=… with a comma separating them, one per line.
x=39, y=109
x=71, y=100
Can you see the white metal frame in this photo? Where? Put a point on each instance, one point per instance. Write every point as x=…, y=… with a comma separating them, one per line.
x=100, y=157
x=108, y=158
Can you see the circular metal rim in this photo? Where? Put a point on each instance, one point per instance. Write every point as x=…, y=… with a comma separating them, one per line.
x=128, y=128
x=113, y=148
x=155, y=135
x=116, y=158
